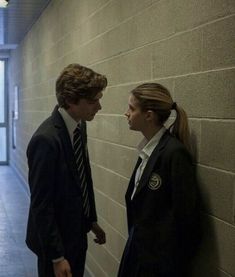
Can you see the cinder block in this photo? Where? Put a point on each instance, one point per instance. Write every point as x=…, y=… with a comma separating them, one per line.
x=217, y=249
x=71, y=42
x=217, y=188
x=178, y=55
x=115, y=99
x=132, y=7
x=115, y=243
x=117, y=158
x=106, y=128
x=218, y=144
x=195, y=138
x=190, y=13
x=154, y=23
x=92, y=266
x=112, y=212
x=131, y=67
x=85, y=9
x=112, y=15
x=102, y=257
x=225, y=234
x=92, y=127
x=208, y=94
x=107, y=45
x=113, y=128
x=103, y=20
x=110, y=183
x=218, y=44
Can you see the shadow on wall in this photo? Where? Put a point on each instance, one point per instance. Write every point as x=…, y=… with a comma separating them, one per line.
x=206, y=261
x=194, y=148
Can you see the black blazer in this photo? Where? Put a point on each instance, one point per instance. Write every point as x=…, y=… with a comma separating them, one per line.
x=56, y=224
x=162, y=216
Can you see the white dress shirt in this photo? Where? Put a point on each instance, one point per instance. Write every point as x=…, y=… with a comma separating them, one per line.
x=70, y=123
x=145, y=150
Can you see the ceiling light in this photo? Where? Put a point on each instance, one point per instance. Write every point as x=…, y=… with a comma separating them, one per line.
x=3, y=3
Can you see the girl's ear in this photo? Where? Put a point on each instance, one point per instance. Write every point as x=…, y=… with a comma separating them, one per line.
x=150, y=115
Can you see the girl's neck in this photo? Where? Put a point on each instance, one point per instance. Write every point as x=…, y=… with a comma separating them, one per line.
x=150, y=132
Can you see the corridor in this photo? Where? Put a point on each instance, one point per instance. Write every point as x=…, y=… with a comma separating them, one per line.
x=15, y=259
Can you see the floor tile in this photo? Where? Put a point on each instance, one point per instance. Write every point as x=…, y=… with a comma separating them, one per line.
x=16, y=260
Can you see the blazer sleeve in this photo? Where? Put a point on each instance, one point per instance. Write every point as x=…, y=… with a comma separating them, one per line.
x=185, y=200
x=184, y=183
x=42, y=157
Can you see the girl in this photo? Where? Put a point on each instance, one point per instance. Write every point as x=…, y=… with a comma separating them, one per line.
x=161, y=197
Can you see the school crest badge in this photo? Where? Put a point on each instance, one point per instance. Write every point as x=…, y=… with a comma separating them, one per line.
x=155, y=181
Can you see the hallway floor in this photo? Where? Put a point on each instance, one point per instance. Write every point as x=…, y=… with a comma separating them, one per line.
x=15, y=259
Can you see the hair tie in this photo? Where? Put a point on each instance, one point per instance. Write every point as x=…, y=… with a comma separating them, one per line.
x=173, y=107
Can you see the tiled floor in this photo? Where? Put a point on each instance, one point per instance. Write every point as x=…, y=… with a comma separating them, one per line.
x=15, y=259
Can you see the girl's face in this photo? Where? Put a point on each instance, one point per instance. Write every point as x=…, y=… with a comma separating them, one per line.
x=135, y=116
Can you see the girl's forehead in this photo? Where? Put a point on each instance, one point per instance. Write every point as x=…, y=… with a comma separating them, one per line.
x=133, y=99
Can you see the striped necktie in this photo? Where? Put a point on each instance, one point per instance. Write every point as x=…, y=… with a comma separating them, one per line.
x=78, y=153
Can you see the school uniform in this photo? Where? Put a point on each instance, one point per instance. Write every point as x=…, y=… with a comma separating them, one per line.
x=162, y=213
x=57, y=226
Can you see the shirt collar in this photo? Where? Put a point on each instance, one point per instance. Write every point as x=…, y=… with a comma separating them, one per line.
x=70, y=123
x=146, y=147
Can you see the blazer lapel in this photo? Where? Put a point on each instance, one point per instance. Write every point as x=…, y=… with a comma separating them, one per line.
x=151, y=162
x=66, y=142
x=132, y=180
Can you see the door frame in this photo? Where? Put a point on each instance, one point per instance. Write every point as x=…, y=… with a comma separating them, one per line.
x=6, y=106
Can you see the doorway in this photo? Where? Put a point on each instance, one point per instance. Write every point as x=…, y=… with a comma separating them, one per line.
x=3, y=115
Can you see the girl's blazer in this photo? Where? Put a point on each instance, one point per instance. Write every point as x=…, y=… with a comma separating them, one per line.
x=163, y=214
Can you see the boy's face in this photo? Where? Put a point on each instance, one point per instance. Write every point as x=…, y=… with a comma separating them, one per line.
x=85, y=109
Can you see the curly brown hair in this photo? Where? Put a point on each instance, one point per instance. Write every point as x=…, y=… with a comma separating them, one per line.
x=76, y=82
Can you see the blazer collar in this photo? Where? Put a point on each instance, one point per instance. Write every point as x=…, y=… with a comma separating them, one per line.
x=60, y=125
x=66, y=141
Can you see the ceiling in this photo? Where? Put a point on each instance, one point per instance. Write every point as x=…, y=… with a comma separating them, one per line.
x=16, y=20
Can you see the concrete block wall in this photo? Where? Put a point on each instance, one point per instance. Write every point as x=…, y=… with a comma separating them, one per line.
x=187, y=45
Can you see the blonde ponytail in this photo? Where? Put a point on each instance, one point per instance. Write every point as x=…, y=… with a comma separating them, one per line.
x=155, y=97
x=180, y=127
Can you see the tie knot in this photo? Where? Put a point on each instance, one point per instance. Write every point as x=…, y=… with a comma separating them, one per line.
x=77, y=129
